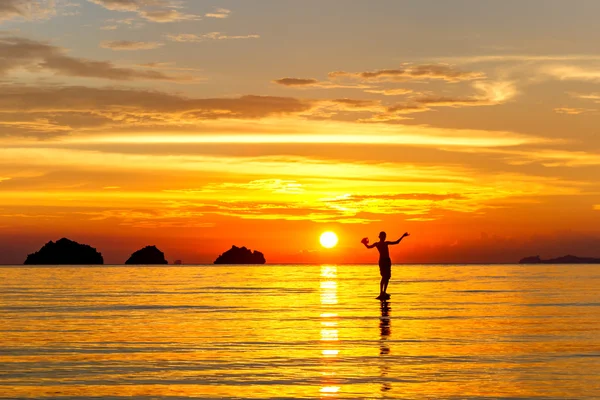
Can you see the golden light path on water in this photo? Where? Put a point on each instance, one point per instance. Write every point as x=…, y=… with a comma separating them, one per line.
x=300, y=331
x=329, y=331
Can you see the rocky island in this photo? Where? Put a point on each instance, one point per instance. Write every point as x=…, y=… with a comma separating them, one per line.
x=240, y=255
x=149, y=255
x=560, y=260
x=65, y=252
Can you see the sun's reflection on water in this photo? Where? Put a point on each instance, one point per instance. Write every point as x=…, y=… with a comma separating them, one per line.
x=385, y=330
x=329, y=331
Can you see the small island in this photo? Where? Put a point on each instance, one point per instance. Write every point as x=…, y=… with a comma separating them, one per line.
x=149, y=255
x=569, y=259
x=65, y=252
x=240, y=255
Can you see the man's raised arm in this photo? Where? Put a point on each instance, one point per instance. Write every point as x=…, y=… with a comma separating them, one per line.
x=399, y=240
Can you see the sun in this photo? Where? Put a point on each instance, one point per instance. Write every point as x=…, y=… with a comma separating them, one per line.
x=329, y=240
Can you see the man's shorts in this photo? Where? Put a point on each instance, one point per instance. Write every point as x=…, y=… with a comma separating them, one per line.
x=385, y=268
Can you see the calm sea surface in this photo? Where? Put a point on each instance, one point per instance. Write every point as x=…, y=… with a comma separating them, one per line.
x=297, y=331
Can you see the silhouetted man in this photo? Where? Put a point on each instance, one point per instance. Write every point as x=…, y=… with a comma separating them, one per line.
x=385, y=263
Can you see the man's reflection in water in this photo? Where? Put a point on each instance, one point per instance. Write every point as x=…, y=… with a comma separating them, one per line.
x=385, y=329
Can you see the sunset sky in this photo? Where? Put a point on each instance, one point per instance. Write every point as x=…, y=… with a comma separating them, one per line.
x=195, y=125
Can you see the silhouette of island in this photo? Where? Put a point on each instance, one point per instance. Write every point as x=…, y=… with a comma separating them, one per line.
x=149, y=255
x=560, y=260
x=65, y=252
x=237, y=255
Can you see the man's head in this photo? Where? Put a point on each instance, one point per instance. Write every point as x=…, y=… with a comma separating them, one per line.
x=382, y=235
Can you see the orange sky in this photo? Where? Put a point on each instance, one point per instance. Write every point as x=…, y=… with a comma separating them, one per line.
x=197, y=125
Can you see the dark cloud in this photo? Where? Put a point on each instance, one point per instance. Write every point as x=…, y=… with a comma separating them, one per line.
x=314, y=83
x=17, y=52
x=57, y=110
x=296, y=82
x=130, y=45
x=354, y=103
x=412, y=72
x=28, y=9
x=451, y=101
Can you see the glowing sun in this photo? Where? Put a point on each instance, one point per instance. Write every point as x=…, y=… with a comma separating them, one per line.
x=329, y=240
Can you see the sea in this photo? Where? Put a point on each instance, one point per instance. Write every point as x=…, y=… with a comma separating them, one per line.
x=300, y=331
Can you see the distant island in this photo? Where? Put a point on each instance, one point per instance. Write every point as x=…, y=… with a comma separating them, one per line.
x=237, y=255
x=65, y=252
x=560, y=260
x=149, y=255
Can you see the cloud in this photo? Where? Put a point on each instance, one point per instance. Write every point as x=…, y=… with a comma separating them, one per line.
x=571, y=110
x=294, y=188
x=390, y=92
x=120, y=116
x=425, y=205
x=418, y=72
x=305, y=83
x=494, y=58
x=142, y=116
x=119, y=5
x=17, y=53
x=488, y=93
x=192, y=38
x=219, y=13
x=27, y=9
x=160, y=11
x=181, y=217
x=552, y=158
x=595, y=97
x=296, y=82
x=412, y=72
x=163, y=16
x=130, y=45
x=58, y=110
x=327, y=109
x=572, y=73
x=171, y=66
x=276, y=186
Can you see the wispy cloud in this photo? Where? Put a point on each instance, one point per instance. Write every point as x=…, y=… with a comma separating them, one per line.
x=17, y=53
x=219, y=13
x=63, y=109
x=391, y=92
x=276, y=186
x=305, y=83
x=161, y=11
x=290, y=188
x=296, y=81
x=128, y=45
x=572, y=110
x=412, y=72
x=164, y=16
x=496, y=58
x=595, y=97
x=193, y=38
x=27, y=9
x=572, y=72
x=488, y=93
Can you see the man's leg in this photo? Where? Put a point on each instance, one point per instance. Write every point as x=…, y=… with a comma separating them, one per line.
x=385, y=283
